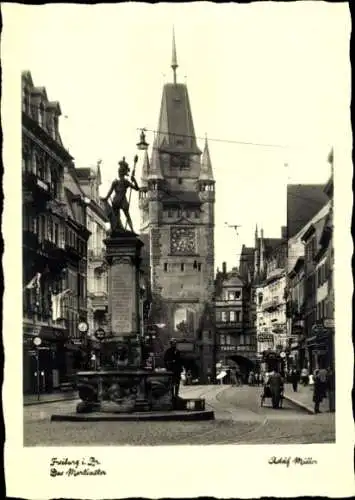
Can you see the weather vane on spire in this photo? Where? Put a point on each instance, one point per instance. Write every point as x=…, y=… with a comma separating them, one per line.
x=174, y=63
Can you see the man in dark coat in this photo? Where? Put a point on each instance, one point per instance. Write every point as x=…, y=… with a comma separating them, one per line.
x=318, y=391
x=276, y=388
x=294, y=379
x=173, y=363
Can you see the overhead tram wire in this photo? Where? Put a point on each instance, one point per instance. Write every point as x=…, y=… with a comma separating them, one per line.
x=228, y=141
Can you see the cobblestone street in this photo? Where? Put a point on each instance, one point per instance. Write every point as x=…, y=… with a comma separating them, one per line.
x=239, y=419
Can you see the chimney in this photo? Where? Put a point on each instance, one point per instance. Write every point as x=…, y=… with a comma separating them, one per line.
x=224, y=268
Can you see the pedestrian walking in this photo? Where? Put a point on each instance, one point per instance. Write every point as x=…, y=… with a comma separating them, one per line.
x=318, y=391
x=294, y=379
x=276, y=388
x=331, y=389
x=323, y=377
x=173, y=363
x=233, y=376
x=304, y=376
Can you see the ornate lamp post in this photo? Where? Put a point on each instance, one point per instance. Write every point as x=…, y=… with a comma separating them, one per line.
x=142, y=145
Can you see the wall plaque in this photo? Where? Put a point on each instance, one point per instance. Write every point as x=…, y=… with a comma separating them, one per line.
x=121, y=297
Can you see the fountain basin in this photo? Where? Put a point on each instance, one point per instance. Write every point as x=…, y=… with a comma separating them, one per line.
x=126, y=390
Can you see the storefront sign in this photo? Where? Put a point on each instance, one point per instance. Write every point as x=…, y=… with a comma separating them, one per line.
x=265, y=337
x=329, y=323
x=185, y=346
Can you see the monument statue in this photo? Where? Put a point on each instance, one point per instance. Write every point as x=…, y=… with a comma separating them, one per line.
x=119, y=188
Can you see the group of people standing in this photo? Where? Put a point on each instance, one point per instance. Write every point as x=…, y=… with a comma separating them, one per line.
x=323, y=382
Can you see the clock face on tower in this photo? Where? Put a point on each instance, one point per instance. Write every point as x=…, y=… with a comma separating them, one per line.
x=182, y=240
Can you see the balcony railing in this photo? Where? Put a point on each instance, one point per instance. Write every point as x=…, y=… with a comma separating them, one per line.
x=33, y=182
x=228, y=302
x=271, y=305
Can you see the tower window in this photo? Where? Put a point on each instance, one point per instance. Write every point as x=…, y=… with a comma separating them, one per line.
x=165, y=267
x=199, y=266
x=182, y=266
x=195, y=265
x=180, y=180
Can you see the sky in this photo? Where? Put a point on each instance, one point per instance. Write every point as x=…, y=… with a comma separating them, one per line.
x=273, y=74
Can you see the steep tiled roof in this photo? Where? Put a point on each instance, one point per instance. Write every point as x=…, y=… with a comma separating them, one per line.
x=233, y=279
x=303, y=202
x=176, y=128
x=295, y=245
x=83, y=172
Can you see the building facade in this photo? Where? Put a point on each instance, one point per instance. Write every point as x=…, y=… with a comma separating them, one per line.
x=295, y=308
x=310, y=304
x=54, y=245
x=234, y=340
x=177, y=215
x=97, y=276
x=319, y=305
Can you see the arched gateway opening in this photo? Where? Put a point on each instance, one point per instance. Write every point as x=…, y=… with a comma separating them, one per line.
x=245, y=365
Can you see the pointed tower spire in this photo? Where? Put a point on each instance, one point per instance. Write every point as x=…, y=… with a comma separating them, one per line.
x=98, y=172
x=256, y=235
x=262, y=250
x=174, y=63
x=206, y=173
x=145, y=168
x=155, y=172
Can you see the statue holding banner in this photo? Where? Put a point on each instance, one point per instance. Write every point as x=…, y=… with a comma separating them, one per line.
x=119, y=188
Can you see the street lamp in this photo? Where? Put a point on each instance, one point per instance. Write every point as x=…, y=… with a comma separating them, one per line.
x=142, y=145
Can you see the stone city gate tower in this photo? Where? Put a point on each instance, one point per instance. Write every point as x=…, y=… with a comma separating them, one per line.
x=177, y=218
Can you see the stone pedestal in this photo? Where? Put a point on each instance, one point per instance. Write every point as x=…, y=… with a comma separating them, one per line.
x=123, y=257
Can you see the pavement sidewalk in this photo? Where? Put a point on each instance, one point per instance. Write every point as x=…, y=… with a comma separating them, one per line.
x=304, y=398
x=32, y=399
